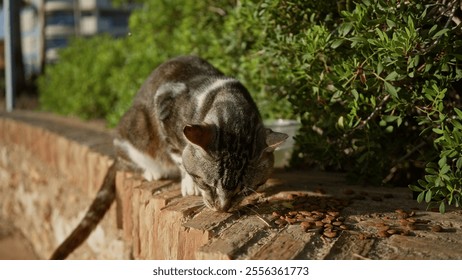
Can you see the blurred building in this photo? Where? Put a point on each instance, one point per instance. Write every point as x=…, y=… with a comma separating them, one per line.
x=2, y=55
x=48, y=25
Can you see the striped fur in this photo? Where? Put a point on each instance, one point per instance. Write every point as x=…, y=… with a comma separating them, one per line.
x=188, y=91
x=189, y=120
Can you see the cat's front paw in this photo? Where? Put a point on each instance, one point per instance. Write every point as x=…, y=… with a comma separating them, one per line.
x=188, y=187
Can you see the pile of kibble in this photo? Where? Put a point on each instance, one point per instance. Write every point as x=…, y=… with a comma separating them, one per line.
x=313, y=214
x=329, y=224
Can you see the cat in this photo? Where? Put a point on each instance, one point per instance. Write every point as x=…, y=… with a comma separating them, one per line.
x=188, y=120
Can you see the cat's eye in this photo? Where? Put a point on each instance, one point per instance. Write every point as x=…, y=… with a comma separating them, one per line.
x=204, y=186
x=208, y=187
x=194, y=176
x=200, y=182
x=260, y=184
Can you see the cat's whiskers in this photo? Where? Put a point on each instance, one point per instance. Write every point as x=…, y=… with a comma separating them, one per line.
x=201, y=208
x=258, y=216
x=245, y=192
x=251, y=190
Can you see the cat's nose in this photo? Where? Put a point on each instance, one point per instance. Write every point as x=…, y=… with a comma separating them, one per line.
x=222, y=205
x=217, y=205
x=225, y=208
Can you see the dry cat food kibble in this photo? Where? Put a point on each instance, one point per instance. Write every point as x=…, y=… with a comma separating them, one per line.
x=402, y=223
x=330, y=233
x=321, y=215
x=437, y=228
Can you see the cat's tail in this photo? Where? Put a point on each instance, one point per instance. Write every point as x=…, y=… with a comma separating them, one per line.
x=99, y=207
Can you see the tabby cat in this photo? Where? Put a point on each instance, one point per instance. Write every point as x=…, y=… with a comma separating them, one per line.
x=188, y=120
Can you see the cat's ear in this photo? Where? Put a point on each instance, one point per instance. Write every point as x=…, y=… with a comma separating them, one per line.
x=201, y=135
x=274, y=140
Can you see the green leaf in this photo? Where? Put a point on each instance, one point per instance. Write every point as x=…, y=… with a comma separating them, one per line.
x=433, y=165
x=423, y=184
x=379, y=68
x=456, y=124
x=459, y=163
x=391, y=23
x=410, y=23
x=421, y=197
x=434, y=27
x=392, y=76
x=438, y=182
x=390, y=89
x=390, y=118
x=336, y=43
x=357, y=39
x=431, y=171
x=428, y=66
x=345, y=28
x=442, y=162
x=440, y=33
x=355, y=94
x=438, y=131
x=373, y=101
x=415, y=188
x=442, y=207
x=445, y=169
x=428, y=196
x=340, y=122
x=458, y=112
x=383, y=36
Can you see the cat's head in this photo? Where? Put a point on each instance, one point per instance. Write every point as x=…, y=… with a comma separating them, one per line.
x=228, y=164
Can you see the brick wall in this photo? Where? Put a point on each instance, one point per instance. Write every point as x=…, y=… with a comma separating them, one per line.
x=52, y=168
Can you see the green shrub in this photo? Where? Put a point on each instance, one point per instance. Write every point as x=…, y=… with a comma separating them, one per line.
x=377, y=94
x=375, y=84
x=78, y=85
x=101, y=75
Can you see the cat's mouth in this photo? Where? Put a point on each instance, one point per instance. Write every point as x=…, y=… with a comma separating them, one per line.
x=220, y=208
x=220, y=204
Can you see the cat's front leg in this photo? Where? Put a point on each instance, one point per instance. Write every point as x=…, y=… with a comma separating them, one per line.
x=188, y=187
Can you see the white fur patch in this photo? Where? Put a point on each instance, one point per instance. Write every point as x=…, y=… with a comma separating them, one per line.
x=177, y=159
x=202, y=96
x=187, y=185
x=170, y=88
x=163, y=98
x=153, y=170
